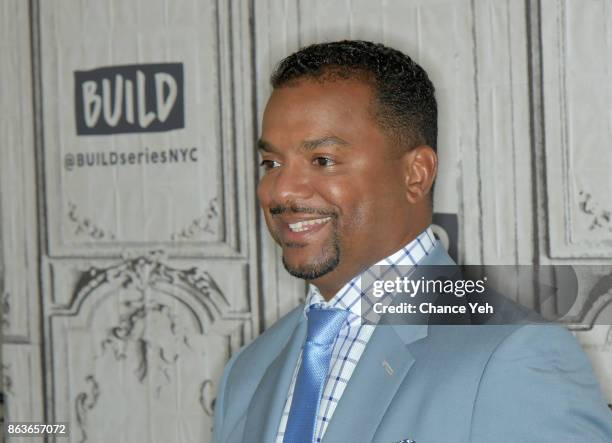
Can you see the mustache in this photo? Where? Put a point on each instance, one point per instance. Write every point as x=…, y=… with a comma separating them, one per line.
x=295, y=209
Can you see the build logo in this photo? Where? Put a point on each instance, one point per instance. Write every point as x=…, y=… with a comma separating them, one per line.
x=129, y=98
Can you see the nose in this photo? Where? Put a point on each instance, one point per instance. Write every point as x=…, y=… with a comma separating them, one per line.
x=290, y=183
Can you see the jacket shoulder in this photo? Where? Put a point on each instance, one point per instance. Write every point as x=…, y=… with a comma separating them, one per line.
x=549, y=387
x=270, y=342
x=246, y=369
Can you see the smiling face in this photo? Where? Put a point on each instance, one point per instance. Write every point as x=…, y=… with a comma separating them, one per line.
x=336, y=196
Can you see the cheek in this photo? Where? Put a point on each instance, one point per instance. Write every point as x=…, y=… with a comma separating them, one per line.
x=366, y=211
x=354, y=205
x=357, y=224
x=260, y=189
x=264, y=201
x=262, y=192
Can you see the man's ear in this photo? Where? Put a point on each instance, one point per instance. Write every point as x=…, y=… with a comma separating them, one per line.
x=420, y=166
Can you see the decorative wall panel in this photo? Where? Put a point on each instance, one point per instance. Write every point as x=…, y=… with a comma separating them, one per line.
x=140, y=348
x=150, y=272
x=503, y=167
x=576, y=54
x=17, y=179
x=20, y=364
x=153, y=81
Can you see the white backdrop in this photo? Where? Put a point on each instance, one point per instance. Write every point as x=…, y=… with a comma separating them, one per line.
x=126, y=286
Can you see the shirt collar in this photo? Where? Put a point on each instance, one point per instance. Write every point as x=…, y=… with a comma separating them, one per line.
x=349, y=296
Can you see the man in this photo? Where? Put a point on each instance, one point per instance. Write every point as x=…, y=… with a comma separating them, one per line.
x=348, y=148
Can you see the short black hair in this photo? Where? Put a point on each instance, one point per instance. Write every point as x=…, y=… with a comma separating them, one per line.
x=406, y=102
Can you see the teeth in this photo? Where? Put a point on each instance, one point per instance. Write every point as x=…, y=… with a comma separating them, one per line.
x=303, y=225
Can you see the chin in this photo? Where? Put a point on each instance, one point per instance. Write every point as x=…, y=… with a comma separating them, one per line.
x=311, y=270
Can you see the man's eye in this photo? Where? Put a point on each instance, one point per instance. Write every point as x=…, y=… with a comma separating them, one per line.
x=269, y=164
x=324, y=161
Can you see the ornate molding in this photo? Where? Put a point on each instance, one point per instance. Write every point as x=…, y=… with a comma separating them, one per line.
x=85, y=402
x=598, y=298
x=205, y=224
x=130, y=336
x=6, y=309
x=151, y=292
x=206, y=400
x=7, y=380
x=600, y=218
x=194, y=288
x=84, y=225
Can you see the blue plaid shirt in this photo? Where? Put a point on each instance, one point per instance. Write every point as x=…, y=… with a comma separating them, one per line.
x=353, y=336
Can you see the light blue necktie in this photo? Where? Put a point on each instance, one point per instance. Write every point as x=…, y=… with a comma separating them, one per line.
x=323, y=327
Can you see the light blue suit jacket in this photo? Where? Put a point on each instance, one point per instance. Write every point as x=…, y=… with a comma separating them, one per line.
x=517, y=383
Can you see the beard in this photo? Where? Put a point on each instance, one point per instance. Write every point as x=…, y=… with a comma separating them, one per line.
x=329, y=258
x=324, y=264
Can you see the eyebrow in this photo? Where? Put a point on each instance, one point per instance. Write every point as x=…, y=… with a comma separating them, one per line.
x=307, y=145
x=263, y=145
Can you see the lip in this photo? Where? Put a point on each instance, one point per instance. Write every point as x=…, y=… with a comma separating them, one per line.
x=307, y=235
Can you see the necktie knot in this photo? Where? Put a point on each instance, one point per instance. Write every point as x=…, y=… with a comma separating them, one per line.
x=324, y=325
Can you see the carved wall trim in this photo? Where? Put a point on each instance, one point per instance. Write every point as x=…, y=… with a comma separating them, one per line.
x=206, y=400
x=596, y=300
x=84, y=402
x=599, y=216
x=194, y=287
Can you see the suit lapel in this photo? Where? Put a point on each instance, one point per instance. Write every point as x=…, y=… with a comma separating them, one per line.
x=381, y=369
x=268, y=402
x=383, y=366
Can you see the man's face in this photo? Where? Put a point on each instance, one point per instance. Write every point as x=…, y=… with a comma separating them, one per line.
x=333, y=190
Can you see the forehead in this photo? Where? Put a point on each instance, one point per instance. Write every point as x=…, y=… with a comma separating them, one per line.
x=314, y=106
